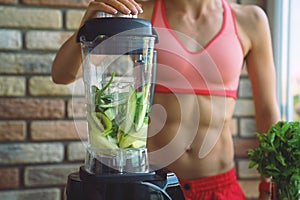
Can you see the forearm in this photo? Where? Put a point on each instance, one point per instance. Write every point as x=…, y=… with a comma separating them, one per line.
x=266, y=116
x=264, y=120
x=67, y=62
x=66, y=65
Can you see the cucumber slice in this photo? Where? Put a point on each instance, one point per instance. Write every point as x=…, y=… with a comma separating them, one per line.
x=140, y=116
x=102, y=122
x=127, y=141
x=112, y=140
x=97, y=140
x=95, y=122
x=110, y=113
x=142, y=108
x=130, y=112
x=134, y=139
x=120, y=136
x=138, y=144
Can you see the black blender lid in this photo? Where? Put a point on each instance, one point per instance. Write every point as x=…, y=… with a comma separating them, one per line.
x=110, y=26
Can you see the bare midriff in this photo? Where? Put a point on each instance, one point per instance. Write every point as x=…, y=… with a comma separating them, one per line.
x=190, y=134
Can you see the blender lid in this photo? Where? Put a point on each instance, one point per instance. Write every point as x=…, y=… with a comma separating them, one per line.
x=109, y=26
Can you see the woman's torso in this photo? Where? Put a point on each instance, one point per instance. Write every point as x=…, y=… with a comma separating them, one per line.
x=190, y=133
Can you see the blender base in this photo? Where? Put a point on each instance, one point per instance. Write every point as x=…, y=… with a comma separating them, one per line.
x=158, y=185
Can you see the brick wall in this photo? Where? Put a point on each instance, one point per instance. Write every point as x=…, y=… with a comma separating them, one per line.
x=39, y=144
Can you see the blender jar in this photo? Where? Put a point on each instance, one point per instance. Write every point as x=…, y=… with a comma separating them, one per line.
x=118, y=73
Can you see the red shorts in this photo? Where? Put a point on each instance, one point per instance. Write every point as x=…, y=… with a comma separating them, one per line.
x=219, y=187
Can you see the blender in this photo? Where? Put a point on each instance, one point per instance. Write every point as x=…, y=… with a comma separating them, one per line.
x=119, y=72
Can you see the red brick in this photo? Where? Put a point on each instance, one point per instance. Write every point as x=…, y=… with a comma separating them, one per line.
x=48, y=175
x=66, y=3
x=234, y=127
x=8, y=2
x=58, y=130
x=76, y=108
x=31, y=108
x=9, y=178
x=244, y=172
x=242, y=145
x=31, y=153
x=12, y=130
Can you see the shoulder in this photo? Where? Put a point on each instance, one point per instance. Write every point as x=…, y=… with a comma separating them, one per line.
x=250, y=18
x=252, y=25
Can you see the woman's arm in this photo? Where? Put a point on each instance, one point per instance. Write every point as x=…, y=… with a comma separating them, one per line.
x=66, y=65
x=261, y=70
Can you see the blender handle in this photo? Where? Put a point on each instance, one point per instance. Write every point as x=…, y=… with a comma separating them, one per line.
x=155, y=187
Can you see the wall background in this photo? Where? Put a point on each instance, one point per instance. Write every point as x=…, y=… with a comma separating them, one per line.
x=39, y=144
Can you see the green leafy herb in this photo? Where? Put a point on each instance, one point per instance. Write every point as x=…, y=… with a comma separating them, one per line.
x=278, y=156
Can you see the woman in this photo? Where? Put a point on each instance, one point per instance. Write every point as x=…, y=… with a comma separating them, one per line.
x=203, y=44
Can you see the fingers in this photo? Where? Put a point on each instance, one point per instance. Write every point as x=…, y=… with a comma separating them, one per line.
x=135, y=6
x=123, y=6
x=111, y=7
x=96, y=6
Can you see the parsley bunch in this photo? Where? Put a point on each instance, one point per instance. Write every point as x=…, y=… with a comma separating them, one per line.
x=278, y=156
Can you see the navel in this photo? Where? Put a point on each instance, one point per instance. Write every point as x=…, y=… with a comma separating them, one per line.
x=188, y=148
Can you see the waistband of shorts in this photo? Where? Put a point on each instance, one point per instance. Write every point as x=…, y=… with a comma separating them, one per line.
x=210, y=182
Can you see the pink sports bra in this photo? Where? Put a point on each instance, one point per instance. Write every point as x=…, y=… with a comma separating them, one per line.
x=213, y=70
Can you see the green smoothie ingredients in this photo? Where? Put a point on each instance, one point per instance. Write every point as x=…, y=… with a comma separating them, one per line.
x=119, y=119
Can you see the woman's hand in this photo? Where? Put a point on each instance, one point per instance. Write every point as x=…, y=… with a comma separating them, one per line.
x=111, y=7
